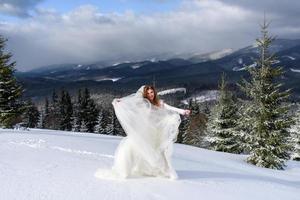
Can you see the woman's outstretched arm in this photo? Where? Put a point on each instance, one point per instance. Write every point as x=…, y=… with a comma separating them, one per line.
x=178, y=110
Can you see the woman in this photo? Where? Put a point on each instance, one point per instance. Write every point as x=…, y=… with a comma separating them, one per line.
x=151, y=127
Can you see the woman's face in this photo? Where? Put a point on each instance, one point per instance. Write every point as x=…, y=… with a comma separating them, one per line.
x=150, y=94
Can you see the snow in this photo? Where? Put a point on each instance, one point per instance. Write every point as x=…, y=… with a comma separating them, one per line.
x=135, y=66
x=238, y=69
x=206, y=95
x=295, y=70
x=276, y=61
x=47, y=164
x=171, y=91
x=152, y=60
x=244, y=67
x=240, y=60
x=212, y=55
x=123, y=62
x=220, y=54
x=252, y=65
x=107, y=78
x=290, y=57
x=115, y=64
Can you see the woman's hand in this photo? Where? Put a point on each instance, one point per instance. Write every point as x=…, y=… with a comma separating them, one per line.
x=187, y=112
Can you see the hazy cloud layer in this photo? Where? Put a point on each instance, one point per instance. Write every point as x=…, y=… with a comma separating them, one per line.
x=86, y=34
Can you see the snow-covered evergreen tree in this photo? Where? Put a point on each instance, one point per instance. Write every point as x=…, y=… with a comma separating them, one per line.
x=98, y=128
x=109, y=129
x=90, y=112
x=10, y=91
x=295, y=137
x=244, y=125
x=195, y=126
x=269, y=119
x=31, y=115
x=103, y=121
x=118, y=130
x=77, y=123
x=45, y=114
x=183, y=129
x=41, y=116
x=222, y=123
x=54, y=112
x=66, y=111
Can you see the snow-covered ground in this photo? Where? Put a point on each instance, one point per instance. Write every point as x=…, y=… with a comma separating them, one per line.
x=47, y=164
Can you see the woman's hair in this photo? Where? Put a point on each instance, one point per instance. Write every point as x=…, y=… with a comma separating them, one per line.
x=156, y=98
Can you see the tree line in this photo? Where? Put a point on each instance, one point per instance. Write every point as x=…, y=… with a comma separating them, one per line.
x=80, y=114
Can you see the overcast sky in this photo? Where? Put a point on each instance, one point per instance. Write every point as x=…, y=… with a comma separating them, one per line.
x=44, y=32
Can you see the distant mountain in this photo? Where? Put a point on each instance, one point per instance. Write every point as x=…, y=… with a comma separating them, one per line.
x=194, y=72
x=238, y=60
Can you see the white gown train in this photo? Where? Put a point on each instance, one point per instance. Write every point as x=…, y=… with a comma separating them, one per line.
x=150, y=133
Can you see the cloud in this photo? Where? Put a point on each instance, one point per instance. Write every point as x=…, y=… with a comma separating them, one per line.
x=284, y=15
x=86, y=34
x=19, y=8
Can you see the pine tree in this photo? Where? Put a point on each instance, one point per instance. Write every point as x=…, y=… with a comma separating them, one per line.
x=10, y=91
x=187, y=137
x=90, y=112
x=69, y=112
x=268, y=115
x=66, y=111
x=183, y=129
x=295, y=137
x=244, y=125
x=195, y=127
x=103, y=121
x=114, y=123
x=98, y=127
x=109, y=129
x=78, y=113
x=46, y=112
x=91, y=116
x=31, y=115
x=54, y=112
x=40, y=120
x=118, y=130
x=62, y=108
x=222, y=123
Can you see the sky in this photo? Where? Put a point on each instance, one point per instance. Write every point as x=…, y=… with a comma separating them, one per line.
x=47, y=32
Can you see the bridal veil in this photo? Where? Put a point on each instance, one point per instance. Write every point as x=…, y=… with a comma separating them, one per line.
x=150, y=134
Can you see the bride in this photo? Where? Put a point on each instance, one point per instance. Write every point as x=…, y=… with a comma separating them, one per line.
x=151, y=127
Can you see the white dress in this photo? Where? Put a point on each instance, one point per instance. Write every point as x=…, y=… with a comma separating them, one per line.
x=150, y=133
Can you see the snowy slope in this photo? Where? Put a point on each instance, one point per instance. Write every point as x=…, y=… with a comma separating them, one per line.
x=45, y=164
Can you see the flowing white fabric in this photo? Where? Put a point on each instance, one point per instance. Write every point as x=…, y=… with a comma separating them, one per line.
x=150, y=133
